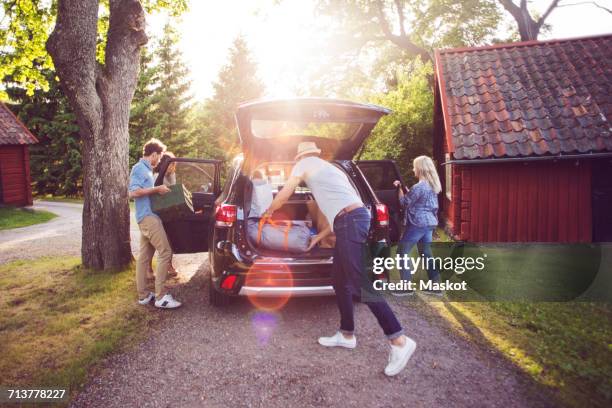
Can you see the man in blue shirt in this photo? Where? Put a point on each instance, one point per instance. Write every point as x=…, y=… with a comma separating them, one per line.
x=152, y=234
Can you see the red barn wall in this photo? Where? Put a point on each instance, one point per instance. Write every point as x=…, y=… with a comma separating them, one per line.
x=522, y=202
x=15, y=175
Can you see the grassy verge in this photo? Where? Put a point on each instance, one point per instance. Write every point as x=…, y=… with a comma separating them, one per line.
x=58, y=320
x=566, y=347
x=18, y=217
x=563, y=346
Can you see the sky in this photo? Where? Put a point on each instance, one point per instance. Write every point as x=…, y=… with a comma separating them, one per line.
x=287, y=37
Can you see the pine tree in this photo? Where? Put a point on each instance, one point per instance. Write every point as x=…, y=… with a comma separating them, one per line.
x=237, y=82
x=143, y=120
x=171, y=97
x=55, y=162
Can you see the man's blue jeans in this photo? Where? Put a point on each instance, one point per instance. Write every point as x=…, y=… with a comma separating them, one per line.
x=422, y=237
x=349, y=273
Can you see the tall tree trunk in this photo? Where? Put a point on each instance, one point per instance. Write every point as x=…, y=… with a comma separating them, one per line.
x=100, y=97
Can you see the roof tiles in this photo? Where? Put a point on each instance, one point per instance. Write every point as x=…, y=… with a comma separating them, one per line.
x=12, y=131
x=528, y=99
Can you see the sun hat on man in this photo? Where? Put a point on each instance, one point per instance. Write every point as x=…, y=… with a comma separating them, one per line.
x=306, y=148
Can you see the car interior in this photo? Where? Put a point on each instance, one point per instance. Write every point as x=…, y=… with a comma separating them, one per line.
x=300, y=207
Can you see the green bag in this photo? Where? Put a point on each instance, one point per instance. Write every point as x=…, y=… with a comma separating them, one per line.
x=173, y=205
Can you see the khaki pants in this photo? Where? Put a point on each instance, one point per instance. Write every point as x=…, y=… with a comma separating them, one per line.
x=152, y=238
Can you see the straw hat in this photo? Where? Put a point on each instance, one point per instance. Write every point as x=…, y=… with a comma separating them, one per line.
x=305, y=148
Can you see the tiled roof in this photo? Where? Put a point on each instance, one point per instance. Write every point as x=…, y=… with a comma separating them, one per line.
x=12, y=131
x=527, y=99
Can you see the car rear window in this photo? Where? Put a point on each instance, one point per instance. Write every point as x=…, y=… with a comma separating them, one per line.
x=269, y=129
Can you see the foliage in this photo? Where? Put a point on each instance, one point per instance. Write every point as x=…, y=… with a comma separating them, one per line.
x=205, y=142
x=59, y=320
x=237, y=82
x=18, y=217
x=55, y=161
x=25, y=27
x=23, y=33
x=143, y=120
x=425, y=23
x=171, y=96
x=373, y=43
x=451, y=23
x=407, y=132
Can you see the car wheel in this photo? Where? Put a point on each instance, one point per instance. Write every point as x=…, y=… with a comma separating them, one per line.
x=217, y=298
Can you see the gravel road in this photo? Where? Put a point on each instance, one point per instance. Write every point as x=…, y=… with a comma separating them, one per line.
x=60, y=236
x=201, y=356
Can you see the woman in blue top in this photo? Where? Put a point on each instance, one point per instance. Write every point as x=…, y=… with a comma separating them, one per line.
x=420, y=205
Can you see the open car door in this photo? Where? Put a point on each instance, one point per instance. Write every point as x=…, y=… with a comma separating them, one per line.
x=190, y=233
x=380, y=174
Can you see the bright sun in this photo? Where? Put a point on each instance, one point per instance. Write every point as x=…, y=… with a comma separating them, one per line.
x=285, y=40
x=289, y=41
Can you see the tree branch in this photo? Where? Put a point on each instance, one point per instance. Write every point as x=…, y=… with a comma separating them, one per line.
x=585, y=3
x=384, y=25
x=400, y=15
x=402, y=41
x=125, y=36
x=512, y=8
x=72, y=46
x=553, y=4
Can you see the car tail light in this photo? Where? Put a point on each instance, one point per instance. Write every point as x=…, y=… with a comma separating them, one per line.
x=225, y=216
x=229, y=282
x=382, y=215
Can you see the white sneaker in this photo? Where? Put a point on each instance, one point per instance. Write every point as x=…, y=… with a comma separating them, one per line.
x=338, y=340
x=167, y=302
x=147, y=299
x=399, y=356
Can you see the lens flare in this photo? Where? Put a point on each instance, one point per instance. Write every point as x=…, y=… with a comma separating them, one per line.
x=263, y=276
x=263, y=324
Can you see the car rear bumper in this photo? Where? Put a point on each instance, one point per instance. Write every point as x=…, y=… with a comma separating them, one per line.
x=282, y=291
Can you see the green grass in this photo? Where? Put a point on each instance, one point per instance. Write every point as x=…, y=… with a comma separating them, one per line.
x=565, y=347
x=562, y=346
x=18, y=217
x=59, y=320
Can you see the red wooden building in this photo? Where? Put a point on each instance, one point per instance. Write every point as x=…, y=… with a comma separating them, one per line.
x=523, y=140
x=15, y=185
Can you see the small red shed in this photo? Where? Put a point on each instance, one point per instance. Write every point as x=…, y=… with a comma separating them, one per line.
x=523, y=141
x=15, y=183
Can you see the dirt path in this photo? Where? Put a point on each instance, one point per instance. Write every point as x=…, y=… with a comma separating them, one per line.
x=60, y=236
x=200, y=356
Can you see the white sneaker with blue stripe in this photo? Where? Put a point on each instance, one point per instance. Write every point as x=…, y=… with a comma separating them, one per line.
x=167, y=302
x=147, y=299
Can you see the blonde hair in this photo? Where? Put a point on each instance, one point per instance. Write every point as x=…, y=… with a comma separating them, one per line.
x=424, y=168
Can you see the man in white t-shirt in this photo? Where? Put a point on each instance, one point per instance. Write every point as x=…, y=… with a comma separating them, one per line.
x=350, y=220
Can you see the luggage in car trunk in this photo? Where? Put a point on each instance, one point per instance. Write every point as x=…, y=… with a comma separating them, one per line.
x=285, y=235
x=174, y=204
